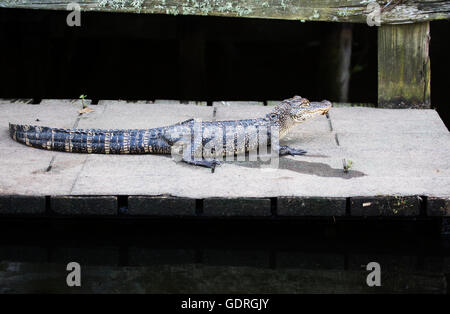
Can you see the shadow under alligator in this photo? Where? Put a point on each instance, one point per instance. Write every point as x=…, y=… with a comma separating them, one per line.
x=305, y=167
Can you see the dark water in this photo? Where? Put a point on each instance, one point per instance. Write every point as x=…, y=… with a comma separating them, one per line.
x=222, y=256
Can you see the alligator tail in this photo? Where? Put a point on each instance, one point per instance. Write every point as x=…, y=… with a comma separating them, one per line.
x=91, y=141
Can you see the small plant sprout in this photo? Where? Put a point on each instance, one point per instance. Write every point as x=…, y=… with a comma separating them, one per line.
x=85, y=109
x=347, y=165
x=83, y=97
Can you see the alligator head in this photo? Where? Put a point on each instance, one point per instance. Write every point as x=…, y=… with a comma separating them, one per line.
x=296, y=110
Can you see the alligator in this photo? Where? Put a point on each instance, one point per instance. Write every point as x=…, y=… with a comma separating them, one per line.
x=178, y=138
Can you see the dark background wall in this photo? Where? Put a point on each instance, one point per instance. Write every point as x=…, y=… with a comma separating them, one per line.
x=136, y=56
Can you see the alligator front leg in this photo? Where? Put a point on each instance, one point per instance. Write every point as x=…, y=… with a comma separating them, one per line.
x=286, y=150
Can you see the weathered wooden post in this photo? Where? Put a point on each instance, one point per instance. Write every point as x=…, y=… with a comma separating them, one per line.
x=404, y=66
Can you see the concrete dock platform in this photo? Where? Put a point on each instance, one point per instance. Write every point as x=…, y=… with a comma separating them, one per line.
x=400, y=166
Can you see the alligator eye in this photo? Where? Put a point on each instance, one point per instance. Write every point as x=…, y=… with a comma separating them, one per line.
x=273, y=116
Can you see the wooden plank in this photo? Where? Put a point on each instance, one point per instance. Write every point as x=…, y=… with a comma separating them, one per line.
x=445, y=227
x=385, y=206
x=438, y=206
x=412, y=156
x=404, y=66
x=22, y=205
x=84, y=206
x=303, y=10
x=311, y=206
x=161, y=206
x=236, y=207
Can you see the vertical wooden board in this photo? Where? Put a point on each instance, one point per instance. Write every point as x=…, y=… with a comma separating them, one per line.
x=404, y=66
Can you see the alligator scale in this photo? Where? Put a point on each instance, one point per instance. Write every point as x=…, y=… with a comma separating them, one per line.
x=164, y=140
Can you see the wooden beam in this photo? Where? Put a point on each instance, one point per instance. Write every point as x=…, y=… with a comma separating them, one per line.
x=404, y=66
x=303, y=10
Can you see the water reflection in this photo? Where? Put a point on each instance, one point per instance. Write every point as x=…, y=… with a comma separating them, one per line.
x=222, y=257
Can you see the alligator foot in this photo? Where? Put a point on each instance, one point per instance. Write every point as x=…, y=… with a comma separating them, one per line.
x=203, y=163
x=286, y=150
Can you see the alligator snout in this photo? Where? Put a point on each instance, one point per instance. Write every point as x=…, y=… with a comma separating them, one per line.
x=326, y=106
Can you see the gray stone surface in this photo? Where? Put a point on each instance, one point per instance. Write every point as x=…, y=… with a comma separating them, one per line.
x=374, y=121
x=273, y=102
x=166, y=101
x=393, y=152
x=24, y=170
x=225, y=103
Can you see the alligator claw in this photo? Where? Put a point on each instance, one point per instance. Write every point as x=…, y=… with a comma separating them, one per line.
x=286, y=150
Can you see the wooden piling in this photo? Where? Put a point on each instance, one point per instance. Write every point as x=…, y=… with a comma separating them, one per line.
x=404, y=66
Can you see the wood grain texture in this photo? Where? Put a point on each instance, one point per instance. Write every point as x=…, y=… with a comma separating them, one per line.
x=303, y=10
x=404, y=66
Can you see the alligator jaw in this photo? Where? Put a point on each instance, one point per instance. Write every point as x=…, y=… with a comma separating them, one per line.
x=322, y=106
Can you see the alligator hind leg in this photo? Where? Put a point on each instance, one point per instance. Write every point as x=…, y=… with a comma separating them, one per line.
x=203, y=163
x=189, y=154
x=286, y=150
